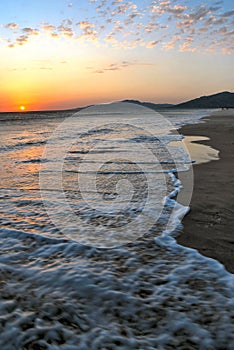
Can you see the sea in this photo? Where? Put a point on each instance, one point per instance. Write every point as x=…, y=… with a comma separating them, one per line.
x=91, y=203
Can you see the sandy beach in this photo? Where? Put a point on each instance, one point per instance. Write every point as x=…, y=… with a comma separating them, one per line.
x=209, y=226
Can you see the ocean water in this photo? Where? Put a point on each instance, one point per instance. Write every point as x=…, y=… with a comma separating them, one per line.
x=90, y=205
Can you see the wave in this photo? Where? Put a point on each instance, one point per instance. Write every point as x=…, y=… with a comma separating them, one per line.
x=148, y=294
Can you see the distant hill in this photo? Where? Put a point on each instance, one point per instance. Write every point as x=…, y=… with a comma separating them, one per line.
x=223, y=99
x=154, y=106
x=220, y=100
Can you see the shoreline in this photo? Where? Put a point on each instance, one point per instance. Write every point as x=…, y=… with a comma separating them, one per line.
x=209, y=226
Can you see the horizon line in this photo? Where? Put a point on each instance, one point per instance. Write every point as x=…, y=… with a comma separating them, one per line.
x=101, y=103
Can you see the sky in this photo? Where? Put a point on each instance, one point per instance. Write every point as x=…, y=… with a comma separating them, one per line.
x=58, y=54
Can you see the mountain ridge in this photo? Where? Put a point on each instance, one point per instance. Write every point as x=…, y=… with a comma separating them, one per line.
x=223, y=99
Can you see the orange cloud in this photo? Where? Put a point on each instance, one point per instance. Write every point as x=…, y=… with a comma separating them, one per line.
x=48, y=27
x=151, y=44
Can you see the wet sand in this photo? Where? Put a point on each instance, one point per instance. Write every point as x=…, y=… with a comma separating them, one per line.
x=209, y=226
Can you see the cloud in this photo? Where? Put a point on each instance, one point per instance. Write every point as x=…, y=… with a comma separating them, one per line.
x=177, y=9
x=101, y=5
x=129, y=24
x=150, y=27
x=30, y=68
x=86, y=25
x=110, y=38
x=227, y=51
x=12, y=26
x=21, y=40
x=229, y=13
x=65, y=31
x=187, y=45
x=123, y=8
x=30, y=31
x=54, y=35
x=48, y=27
x=160, y=9
x=165, y=6
x=202, y=30
x=199, y=13
x=171, y=44
x=212, y=20
x=112, y=68
x=116, y=2
x=46, y=68
x=151, y=44
x=87, y=31
x=67, y=22
x=24, y=38
x=118, y=66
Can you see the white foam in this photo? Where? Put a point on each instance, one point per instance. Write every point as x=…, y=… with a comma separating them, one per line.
x=141, y=296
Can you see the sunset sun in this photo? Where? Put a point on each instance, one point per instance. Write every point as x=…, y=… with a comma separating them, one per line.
x=22, y=108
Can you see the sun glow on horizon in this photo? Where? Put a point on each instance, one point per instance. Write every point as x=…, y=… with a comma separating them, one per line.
x=22, y=108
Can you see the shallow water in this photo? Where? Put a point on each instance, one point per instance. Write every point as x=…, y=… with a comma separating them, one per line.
x=97, y=267
x=199, y=153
